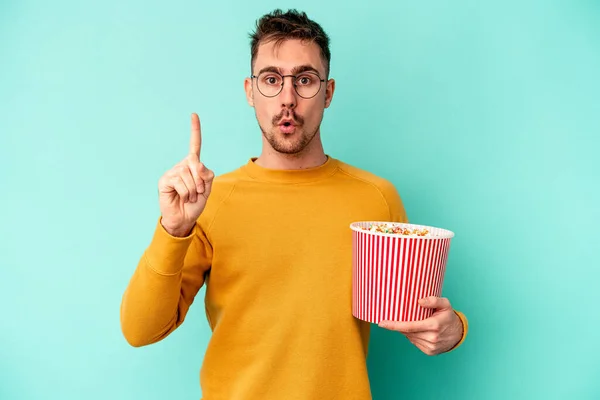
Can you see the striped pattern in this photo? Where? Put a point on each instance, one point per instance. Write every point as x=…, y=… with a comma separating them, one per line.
x=391, y=273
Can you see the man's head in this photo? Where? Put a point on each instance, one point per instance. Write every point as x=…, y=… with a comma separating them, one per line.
x=289, y=44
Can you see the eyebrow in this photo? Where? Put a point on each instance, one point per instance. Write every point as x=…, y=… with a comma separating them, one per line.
x=295, y=71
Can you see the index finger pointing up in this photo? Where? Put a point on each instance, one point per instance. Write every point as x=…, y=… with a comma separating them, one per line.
x=196, y=136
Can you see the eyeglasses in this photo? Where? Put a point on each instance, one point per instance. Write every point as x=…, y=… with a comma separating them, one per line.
x=306, y=84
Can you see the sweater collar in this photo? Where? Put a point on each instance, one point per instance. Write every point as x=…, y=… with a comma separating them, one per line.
x=322, y=171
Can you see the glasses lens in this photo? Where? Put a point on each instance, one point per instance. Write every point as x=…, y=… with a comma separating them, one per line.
x=308, y=84
x=269, y=83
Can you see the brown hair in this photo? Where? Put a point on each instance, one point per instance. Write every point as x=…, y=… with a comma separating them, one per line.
x=279, y=26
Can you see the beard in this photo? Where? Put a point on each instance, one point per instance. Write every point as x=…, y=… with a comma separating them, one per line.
x=288, y=143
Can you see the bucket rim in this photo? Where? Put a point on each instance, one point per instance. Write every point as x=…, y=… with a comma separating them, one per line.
x=441, y=233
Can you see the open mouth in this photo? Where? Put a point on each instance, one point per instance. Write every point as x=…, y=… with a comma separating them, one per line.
x=287, y=127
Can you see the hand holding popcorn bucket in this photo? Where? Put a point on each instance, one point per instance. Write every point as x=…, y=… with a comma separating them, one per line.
x=395, y=265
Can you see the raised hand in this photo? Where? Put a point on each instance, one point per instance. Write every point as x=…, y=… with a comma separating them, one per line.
x=184, y=189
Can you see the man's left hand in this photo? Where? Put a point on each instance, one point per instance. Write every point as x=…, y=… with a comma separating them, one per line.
x=434, y=335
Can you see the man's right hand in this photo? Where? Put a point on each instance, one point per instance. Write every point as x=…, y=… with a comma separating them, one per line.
x=184, y=189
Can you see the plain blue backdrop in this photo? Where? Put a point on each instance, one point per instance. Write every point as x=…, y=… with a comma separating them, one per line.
x=485, y=115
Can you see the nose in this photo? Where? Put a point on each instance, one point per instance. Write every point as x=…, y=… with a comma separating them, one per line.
x=288, y=93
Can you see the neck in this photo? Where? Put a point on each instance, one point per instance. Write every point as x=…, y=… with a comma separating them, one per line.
x=311, y=156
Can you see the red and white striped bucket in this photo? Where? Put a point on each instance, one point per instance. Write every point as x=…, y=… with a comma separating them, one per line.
x=391, y=272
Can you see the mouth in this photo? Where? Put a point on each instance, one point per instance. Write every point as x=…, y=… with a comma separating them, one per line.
x=287, y=122
x=287, y=127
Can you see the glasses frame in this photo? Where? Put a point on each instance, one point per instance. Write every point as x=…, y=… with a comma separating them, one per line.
x=294, y=78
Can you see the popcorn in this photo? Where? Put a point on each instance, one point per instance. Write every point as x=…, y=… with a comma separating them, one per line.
x=396, y=230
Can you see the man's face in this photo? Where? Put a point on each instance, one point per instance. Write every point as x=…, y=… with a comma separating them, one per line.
x=288, y=121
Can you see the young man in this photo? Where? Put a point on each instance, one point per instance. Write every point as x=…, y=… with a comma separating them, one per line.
x=272, y=243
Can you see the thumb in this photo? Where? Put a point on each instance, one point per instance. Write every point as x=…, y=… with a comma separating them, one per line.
x=434, y=302
x=207, y=177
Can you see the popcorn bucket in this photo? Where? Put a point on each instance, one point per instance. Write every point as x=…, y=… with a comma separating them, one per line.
x=392, y=271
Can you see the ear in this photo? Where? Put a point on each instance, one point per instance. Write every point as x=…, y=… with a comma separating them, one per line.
x=329, y=89
x=249, y=91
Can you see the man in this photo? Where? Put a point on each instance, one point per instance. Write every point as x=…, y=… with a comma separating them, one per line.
x=272, y=243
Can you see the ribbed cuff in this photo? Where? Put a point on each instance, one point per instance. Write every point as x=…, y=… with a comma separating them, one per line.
x=465, y=324
x=166, y=253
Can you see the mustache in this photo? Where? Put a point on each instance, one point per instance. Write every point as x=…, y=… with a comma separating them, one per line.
x=288, y=114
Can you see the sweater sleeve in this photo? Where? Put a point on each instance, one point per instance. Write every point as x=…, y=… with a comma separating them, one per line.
x=168, y=276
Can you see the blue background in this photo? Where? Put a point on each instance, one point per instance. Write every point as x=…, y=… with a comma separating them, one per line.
x=485, y=115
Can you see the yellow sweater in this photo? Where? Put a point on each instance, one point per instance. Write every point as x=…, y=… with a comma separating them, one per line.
x=274, y=248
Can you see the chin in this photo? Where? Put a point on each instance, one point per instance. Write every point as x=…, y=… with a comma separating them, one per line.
x=287, y=148
x=287, y=143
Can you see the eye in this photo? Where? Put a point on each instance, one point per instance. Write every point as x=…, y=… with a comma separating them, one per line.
x=304, y=80
x=272, y=80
